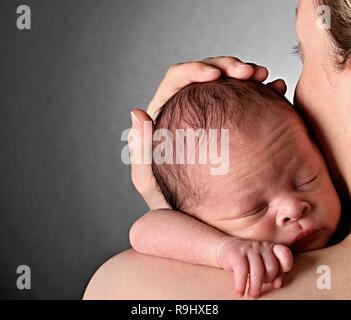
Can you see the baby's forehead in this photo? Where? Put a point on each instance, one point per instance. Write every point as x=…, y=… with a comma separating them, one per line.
x=268, y=154
x=260, y=153
x=264, y=132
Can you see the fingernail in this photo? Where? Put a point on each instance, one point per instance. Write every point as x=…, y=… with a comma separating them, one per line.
x=240, y=294
x=277, y=283
x=135, y=121
x=245, y=66
x=211, y=69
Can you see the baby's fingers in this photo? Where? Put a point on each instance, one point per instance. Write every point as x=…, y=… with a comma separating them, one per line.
x=285, y=257
x=271, y=265
x=278, y=281
x=257, y=274
x=241, y=272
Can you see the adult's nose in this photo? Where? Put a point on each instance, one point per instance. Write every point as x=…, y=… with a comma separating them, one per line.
x=291, y=210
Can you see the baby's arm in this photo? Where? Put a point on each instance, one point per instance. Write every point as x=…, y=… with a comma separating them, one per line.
x=175, y=235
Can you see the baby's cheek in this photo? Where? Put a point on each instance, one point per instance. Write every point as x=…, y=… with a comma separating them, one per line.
x=331, y=208
x=234, y=228
x=334, y=216
x=259, y=232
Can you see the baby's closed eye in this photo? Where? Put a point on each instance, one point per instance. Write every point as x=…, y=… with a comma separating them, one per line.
x=305, y=184
x=258, y=209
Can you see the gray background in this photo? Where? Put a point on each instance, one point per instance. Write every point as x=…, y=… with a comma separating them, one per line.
x=66, y=89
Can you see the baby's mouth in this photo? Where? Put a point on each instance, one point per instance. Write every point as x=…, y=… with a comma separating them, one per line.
x=302, y=240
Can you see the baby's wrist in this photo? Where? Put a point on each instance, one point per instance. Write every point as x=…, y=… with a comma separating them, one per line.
x=220, y=252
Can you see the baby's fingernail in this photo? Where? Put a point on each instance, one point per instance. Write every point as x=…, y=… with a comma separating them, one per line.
x=211, y=69
x=240, y=293
x=277, y=283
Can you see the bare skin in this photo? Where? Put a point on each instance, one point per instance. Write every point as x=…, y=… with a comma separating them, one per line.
x=323, y=95
x=131, y=275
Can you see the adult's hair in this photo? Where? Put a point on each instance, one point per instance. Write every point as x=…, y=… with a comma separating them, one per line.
x=340, y=30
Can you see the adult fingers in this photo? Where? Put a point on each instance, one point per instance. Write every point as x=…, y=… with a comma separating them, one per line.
x=231, y=67
x=179, y=76
x=260, y=74
x=235, y=68
x=278, y=86
x=140, y=145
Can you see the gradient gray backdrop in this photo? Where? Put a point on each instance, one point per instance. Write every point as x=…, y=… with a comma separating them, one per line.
x=66, y=89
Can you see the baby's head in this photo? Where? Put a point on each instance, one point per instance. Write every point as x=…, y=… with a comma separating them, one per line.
x=277, y=187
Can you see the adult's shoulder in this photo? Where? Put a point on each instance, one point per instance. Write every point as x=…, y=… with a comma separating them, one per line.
x=112, y=271
x=130, y=275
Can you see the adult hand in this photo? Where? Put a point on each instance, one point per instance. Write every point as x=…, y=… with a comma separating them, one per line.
x=177, y=77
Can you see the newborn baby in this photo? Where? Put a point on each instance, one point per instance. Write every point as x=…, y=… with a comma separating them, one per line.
x=277, y=195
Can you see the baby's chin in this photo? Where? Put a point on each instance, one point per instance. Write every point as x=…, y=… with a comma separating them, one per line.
x=316, y=241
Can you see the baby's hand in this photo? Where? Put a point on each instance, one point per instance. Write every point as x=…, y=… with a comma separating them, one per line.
x=262, y=261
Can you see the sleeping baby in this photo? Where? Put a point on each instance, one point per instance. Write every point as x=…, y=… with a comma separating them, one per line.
x=276, y=197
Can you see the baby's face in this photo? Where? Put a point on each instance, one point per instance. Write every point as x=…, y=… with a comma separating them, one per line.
x=278, y=189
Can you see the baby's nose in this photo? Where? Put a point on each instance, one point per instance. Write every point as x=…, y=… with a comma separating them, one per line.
x=292, y=211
